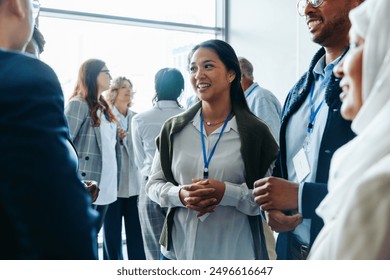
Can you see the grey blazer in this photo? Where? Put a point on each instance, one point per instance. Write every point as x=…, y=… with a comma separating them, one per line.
x=130, y=177
x=86, y=139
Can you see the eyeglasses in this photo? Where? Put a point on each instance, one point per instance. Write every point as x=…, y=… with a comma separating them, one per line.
x=36, y=6
x=302, y=4
x=106, y=71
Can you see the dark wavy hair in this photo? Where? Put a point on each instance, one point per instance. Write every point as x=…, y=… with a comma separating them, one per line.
x=229, y=58
x=169, y=84
x=87, y=88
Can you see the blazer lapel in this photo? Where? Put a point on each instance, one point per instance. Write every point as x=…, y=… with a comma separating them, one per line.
x=302, y=89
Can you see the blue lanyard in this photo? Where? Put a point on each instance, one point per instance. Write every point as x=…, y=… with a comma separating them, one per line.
x=206, y=161
x=313, y=113
x=249, y=93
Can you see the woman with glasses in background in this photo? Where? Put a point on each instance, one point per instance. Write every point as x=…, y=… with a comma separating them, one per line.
x=93, y=127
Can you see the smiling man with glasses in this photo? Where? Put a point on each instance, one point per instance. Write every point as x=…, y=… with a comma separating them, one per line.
x=312, y=129
x=302, y=4
x=46, y=210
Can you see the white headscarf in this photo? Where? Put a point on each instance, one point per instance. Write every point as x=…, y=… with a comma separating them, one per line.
x=366, y=157
x=371, y=21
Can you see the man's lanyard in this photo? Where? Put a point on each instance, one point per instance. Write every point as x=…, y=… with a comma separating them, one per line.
x=249, y=93
x=314, y=112
x=206, y=161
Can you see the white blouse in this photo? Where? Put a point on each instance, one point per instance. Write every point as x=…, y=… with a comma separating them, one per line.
x=108, y=181
x=225, y=233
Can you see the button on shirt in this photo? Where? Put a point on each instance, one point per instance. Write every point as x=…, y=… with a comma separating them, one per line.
x=225, y=233
x=296, y=133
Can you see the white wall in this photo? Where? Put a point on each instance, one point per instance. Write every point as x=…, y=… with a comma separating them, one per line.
x=274, y=38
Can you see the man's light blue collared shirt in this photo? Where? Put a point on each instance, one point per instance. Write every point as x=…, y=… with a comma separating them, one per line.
x=297, y=133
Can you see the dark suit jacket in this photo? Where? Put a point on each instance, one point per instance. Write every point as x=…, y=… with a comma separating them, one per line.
x=337, y=132
x=45, y=210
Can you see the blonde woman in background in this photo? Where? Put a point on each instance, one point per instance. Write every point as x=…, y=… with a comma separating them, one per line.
x=120, y=96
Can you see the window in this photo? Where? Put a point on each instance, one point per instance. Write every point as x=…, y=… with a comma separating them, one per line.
x=134, y=38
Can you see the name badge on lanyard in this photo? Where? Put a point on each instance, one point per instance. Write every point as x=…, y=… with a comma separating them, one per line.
x=301, y=165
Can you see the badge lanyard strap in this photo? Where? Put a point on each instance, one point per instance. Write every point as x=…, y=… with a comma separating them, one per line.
x=313, y=113
x=249, y=93
x=205, y=159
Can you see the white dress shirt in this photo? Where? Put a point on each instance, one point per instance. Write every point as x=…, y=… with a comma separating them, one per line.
x=145, y=127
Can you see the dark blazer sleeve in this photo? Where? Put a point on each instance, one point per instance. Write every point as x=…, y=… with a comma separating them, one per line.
x=46, y=207
x=312, y=195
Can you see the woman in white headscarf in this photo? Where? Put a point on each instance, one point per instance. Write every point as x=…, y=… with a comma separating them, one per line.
x=356, y=210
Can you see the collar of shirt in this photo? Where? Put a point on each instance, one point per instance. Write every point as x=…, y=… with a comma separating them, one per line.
x=164, y=104
x=232, y=124
x=320, y=68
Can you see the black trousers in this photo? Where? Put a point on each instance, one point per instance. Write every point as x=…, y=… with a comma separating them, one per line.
x=127, y=209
